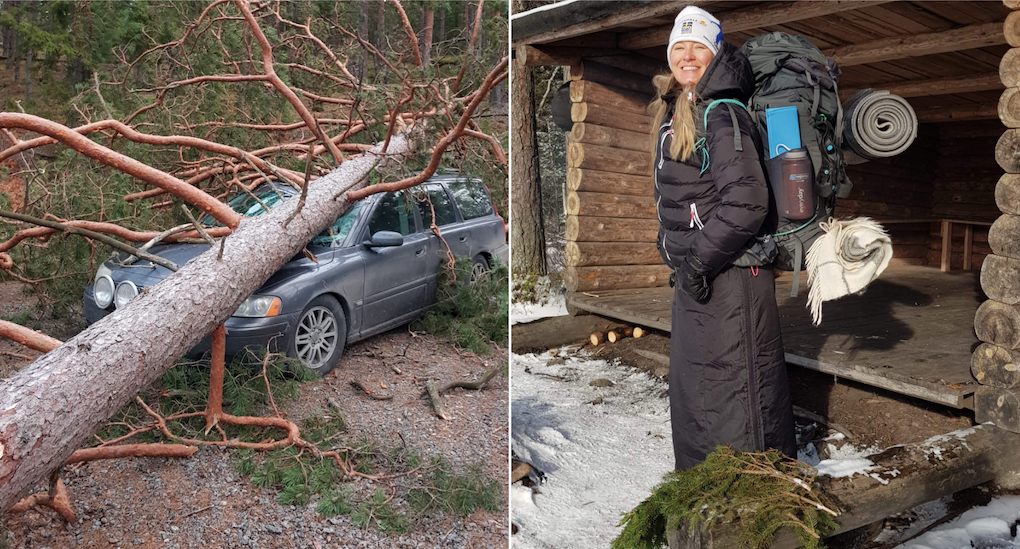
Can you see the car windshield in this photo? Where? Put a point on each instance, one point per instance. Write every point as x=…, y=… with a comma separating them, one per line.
x=260, y=200
x=335, y=234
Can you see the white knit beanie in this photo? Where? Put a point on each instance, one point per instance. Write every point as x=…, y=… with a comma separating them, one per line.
x=694, y=24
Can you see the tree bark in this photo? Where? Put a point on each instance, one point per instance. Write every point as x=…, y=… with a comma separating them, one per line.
x=52, y=406
x=527, y=227
x=426, y=40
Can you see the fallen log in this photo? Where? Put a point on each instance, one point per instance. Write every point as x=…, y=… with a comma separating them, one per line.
x=904, y=476
x=615, y=335
x=597, y=338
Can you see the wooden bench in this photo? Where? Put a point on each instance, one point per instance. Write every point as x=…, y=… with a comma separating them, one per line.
x=947, y=237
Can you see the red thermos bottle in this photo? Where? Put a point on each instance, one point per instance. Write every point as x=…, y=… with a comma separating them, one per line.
x=797, y=196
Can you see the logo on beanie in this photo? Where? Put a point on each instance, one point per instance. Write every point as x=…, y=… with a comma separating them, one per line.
x=687, y=27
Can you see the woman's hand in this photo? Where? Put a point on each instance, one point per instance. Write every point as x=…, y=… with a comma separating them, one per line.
x=694, y=278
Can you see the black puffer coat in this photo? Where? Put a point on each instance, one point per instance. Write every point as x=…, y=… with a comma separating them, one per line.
x=727, y=370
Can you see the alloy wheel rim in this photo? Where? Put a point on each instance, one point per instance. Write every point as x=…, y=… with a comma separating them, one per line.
x=477, y=270
x=316, y=336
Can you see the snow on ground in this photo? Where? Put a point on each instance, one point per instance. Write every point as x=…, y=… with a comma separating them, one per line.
x=599, y=460
x=551, y=303
x=987, y=527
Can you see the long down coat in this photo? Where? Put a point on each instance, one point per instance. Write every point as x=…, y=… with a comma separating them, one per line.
x=727, y=374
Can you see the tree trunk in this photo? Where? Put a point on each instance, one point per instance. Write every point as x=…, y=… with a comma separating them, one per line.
x=361, y=61
x=995, y=366
x=426, y=39
x=52, y=406
x=527, y=228
x=28, y=76
x=440, y=33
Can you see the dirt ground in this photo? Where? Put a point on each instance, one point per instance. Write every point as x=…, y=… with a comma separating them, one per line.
x=203, y=501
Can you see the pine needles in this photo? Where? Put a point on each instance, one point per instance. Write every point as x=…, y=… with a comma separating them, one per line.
x=470, y=315
x=761, y=492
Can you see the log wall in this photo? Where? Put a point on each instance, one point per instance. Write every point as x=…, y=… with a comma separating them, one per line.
x=611, y=220
x=996, y=362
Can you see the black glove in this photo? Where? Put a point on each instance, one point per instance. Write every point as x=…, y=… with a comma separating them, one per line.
x=693, y=278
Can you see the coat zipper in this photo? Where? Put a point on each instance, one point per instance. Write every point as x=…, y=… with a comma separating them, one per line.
x=695, y=219
x=752, y=373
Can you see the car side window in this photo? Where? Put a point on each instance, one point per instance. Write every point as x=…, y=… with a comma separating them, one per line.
x=471, y=197
x=445, y=213
x=393, y=213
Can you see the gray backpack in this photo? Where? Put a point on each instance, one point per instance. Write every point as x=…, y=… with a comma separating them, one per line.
x=790, y=71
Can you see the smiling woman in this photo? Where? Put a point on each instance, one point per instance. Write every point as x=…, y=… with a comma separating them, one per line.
x=727, y=371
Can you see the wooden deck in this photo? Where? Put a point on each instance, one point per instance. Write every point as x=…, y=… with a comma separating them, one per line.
x=911, y=332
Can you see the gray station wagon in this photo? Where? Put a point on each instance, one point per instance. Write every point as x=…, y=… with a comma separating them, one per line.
x=377, y=269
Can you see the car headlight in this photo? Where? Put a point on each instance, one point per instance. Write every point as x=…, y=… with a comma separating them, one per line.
x=102, y=291
x=126, y=291
x=258, y=306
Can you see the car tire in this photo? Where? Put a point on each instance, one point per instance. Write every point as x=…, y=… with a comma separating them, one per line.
x=479, y=266
x=320, y=334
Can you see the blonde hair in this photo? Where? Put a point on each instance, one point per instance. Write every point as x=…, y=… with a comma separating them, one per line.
x=681, y=147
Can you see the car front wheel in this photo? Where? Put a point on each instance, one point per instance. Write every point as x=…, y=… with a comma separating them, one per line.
x=479, y=267
x=320, y=335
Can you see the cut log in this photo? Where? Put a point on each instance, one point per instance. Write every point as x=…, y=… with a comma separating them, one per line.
x=519, y=470
x=1000, y=279
x=1011, y=4
x=585, y=132
x=611, y=76
x=998, y=323
x=1011, y=28
x=582, y=91
x=598, y=181
x=1009, y=108
x=1009, y=67
x=587, y=254
x=608, y=159
x=610, y=229
x=1007, y=151
x=995, y=366
x=610, y=205
x=597, y=338
x=585, y=279
x=619, y=333
x=638, y=332
x=594, y=113
x=999, y=406
x=1007, y=193
x=1004, y=236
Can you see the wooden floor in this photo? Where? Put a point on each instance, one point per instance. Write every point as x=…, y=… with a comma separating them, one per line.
x=911, y=332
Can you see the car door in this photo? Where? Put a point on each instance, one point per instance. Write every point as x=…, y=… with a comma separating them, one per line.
x=395, y=281
x=432, y=197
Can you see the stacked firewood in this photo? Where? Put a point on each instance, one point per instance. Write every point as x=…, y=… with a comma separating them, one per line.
x=612, y=335
x=611, y=222
x=996, y=362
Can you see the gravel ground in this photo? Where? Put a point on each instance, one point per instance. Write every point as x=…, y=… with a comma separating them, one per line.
x=203, y=502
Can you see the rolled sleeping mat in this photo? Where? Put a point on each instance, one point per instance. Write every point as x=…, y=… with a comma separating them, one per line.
x=877, y=124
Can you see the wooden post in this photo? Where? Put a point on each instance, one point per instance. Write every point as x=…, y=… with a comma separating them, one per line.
x=947, y=244
x=968, y=244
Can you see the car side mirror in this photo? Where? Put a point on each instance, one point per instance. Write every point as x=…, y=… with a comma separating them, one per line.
x=385, y=239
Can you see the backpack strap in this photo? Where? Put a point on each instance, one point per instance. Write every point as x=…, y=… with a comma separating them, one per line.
x=737, y=144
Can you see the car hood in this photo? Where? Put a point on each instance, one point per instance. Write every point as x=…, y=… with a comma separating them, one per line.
x=143, y=273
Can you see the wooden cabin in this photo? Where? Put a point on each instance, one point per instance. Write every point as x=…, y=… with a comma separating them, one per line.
x=943, y=322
